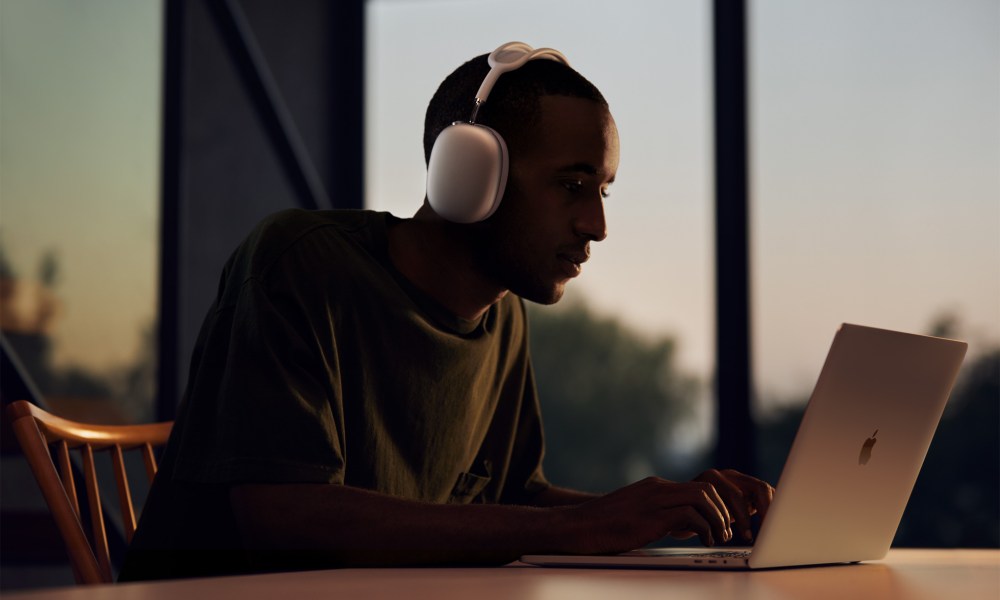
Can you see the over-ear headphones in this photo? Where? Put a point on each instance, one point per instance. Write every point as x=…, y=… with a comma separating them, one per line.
x=467, y=170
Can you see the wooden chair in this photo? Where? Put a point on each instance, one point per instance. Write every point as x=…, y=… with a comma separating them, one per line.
x=36, y=430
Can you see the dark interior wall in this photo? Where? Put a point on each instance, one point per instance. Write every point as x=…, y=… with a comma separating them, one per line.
x=263, y=111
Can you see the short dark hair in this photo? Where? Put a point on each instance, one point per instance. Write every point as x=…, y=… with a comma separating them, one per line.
x=513, y=104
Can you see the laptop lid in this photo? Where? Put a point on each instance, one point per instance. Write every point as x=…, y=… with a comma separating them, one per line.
x=859, y=447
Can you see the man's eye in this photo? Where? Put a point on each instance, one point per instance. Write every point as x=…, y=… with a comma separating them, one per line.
x=573, y=185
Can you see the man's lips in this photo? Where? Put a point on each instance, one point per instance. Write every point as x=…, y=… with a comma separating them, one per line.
x=572, y=262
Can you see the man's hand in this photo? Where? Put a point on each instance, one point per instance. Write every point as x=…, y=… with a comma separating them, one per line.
x=654, y=508
x=742, y=494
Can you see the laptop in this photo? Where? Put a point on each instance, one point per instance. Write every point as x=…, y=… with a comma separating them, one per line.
x=852, y=466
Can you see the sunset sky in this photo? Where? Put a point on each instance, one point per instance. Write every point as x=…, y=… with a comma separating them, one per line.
x=875, y=174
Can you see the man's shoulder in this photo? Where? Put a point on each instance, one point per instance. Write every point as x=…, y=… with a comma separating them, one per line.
x=289, y=230
x=289, y=225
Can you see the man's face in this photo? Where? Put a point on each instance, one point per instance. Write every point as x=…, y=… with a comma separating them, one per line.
x=553, y=206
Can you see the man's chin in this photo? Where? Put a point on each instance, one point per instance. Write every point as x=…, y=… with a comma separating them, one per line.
x=546, y=296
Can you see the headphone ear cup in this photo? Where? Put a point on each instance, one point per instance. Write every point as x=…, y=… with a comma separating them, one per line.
x=467, y=172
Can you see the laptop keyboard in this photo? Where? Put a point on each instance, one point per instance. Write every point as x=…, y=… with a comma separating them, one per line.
x=719, y=554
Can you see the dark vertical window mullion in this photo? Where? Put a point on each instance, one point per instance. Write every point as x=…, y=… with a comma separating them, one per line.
x=168, y=328
x=347, y=125
x=735, y=441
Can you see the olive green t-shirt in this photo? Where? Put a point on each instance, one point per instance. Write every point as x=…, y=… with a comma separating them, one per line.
x=319, y=362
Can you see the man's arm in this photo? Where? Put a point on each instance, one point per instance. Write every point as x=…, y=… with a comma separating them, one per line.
x=559, y=496
x=339, y=525
x=347, y=526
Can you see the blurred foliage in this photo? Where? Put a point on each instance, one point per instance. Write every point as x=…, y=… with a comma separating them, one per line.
x=126, y=390
x=134, y=384
x=48, y=269
x=956, y=501
x=609, y=397
x=6, y=269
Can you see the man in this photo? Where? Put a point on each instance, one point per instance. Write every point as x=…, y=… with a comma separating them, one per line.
x=361, y=391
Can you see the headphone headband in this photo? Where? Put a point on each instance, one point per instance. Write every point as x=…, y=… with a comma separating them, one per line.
x=508, y=57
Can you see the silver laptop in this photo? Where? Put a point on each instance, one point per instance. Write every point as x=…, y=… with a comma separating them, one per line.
x=853, y=464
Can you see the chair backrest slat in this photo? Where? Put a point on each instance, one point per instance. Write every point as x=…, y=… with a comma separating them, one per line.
x=36, y=451
x=124, y=494
x=35, y=430
x=66, y=472
x=96, y=512
x=150, y=460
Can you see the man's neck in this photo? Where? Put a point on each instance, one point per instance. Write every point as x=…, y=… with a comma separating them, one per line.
x=439, y=263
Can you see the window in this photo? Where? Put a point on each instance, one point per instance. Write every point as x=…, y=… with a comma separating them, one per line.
x=79, y=159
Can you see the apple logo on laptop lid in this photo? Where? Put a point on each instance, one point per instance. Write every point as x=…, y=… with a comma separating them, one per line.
x=866, y=449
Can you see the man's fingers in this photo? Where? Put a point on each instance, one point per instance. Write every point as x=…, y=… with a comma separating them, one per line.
x=689, y=520
x=704, y=499
x=754, y=495
x=759, y=492
x=766, y=499
x=712, y=494
x=735, y=499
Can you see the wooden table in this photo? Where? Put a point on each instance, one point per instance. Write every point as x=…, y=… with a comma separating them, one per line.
x=904, y=574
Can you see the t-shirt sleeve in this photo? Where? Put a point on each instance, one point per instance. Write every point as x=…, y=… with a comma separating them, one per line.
x=265, y=404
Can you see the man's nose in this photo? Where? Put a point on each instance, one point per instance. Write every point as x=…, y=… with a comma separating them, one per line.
x=590, y=223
